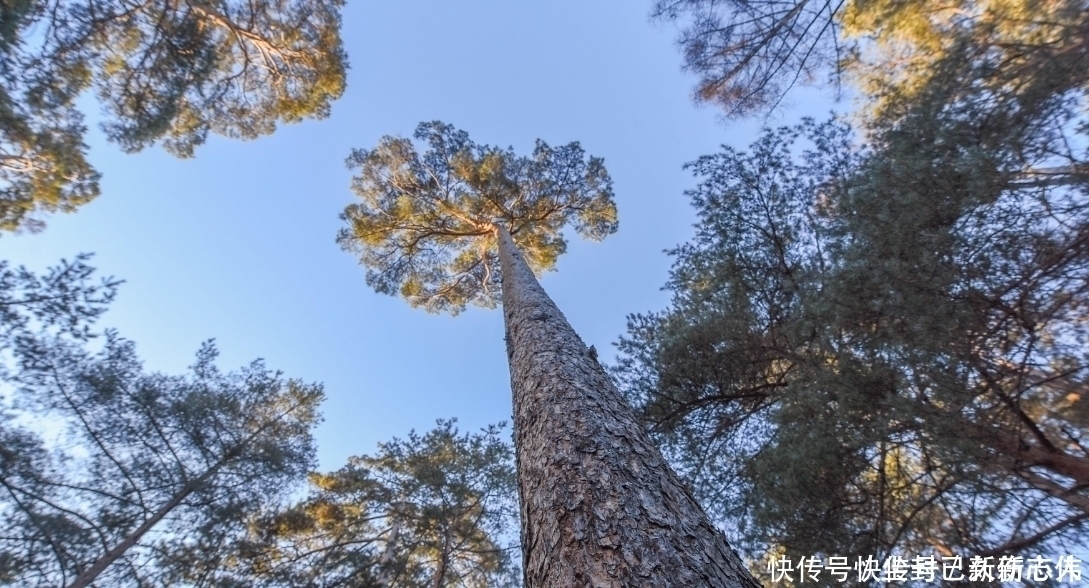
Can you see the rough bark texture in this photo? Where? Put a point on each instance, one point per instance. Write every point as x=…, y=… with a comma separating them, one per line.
x=600, y=506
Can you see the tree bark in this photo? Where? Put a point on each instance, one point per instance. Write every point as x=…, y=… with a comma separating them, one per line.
x=600, y=506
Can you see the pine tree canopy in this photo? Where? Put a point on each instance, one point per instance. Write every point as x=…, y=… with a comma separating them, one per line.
x=879, y=349
x=170, y=71
x=749, y=54
x=432, y=510
x=425, y=226
x=110, y=475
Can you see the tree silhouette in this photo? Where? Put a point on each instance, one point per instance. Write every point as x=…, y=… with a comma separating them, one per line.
x=464, y=223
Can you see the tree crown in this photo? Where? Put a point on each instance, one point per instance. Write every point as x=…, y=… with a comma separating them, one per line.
x=431, y=510
x=749, y=54
x=170, y=71
x=868, y=342
x=426, y=226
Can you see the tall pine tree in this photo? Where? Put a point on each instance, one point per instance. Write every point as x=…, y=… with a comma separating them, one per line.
x=464, y=223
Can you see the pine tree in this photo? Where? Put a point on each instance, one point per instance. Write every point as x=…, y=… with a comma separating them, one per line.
x=911, y=311
x=432, y=510
x=749, y=54
x=64, y=302
x=110, y=475
x=463, y=223
x=881, y=349
x=162, y=70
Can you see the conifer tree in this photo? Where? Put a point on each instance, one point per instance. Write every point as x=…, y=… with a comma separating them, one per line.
x=110, y=475
x=429, y=511
x=64, y=302
x=749, y=54
x=913, y=311
x=464, y=224
x=162, y=70
x=878, y=350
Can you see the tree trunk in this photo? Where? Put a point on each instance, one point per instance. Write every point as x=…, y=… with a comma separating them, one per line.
x=385, y=576
x=444, y=560
x=600, y=507
x=99, y=565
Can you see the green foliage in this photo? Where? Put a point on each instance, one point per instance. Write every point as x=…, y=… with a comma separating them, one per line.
x=430, y=510
x=65, y=301
x=92, y=447
x=426, y=224
x=1025, y=50
x=882, y=349
x=749, y=54
x=162, y=71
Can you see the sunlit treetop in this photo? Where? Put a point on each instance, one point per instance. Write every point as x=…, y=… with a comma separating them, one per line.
x=749, y=53
x=163, y=70
x=1027, y=49
x=426, y=223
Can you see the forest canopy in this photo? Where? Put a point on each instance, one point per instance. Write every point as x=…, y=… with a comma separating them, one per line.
x=111, y=475
x=749, y=54
x=876, y=342
x=875, y=350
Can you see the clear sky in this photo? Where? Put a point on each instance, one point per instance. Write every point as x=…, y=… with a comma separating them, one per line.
x=237, y=244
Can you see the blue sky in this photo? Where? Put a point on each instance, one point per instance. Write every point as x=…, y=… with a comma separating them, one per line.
x=237, y=244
